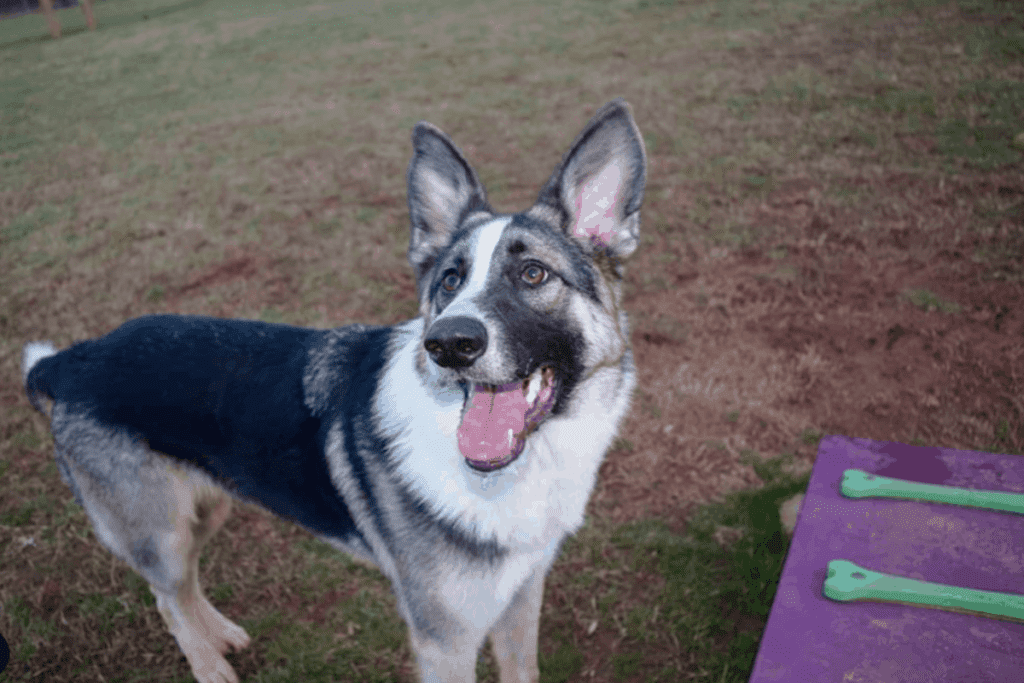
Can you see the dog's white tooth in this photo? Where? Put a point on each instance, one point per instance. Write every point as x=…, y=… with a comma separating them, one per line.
x=534, y=387
x=511, y=438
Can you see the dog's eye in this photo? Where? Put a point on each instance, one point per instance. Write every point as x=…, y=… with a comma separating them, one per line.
x=534, y=274
x=451, y=280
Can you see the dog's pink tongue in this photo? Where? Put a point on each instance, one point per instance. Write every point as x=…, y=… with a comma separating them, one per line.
x=484, y=435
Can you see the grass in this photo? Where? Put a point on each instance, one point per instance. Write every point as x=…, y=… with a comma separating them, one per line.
x=248, y=160
x=718, y=580
x=928, y=301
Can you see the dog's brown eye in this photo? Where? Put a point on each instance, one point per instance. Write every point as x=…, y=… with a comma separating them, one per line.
x=534, y=274
x=450, y=281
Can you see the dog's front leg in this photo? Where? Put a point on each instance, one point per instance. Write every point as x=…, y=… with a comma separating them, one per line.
x=445, y=660
x=514, y=637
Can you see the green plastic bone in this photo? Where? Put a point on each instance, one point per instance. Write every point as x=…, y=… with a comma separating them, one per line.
x=861, y=484
x=846, y=581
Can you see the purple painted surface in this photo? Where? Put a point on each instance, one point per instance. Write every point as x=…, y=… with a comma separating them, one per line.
x=811, y=638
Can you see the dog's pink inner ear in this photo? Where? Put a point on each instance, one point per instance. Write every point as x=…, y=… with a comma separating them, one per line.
x=596, y=207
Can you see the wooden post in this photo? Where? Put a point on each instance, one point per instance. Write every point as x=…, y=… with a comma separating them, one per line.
x=54, y=24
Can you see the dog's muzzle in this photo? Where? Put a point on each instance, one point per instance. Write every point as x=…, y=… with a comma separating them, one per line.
x=496, y=419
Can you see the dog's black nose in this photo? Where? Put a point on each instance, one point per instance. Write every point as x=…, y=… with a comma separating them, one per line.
x=456, y=342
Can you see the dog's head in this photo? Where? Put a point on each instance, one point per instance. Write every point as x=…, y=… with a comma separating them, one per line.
x=519, y=309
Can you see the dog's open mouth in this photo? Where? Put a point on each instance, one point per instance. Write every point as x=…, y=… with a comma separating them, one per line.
x=497, y=419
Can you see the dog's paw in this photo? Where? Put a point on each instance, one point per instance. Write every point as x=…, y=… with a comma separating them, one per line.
x=208, y=666
x=214, y=670
x=222, y=633
x=234, y=636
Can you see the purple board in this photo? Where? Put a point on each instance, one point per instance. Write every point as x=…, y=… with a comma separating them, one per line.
x=811, y=638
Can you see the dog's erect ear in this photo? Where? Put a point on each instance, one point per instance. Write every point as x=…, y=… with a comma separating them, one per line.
x=443, y=189
x=599, y=186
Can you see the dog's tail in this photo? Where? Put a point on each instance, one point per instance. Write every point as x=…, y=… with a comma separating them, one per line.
x=30, y=356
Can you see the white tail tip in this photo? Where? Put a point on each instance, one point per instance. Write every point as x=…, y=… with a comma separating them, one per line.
x=33, y=353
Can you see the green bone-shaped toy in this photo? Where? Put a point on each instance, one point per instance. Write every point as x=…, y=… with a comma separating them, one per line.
x=861, y=484
x=847, y=581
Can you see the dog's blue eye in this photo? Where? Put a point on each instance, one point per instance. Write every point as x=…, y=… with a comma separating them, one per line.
x=451, y=281
x=534, y=274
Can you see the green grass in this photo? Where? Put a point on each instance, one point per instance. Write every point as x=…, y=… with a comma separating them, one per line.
x=309, y=653
x=987, y=139
x=718, y=587
x=928, y=301
x=561, y=665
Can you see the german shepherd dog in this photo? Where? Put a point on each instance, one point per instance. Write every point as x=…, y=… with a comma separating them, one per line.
x=455, y=451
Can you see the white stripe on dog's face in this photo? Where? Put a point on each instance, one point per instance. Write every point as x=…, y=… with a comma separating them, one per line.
x=486, y=241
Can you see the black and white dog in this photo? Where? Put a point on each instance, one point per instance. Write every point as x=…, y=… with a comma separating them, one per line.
x=455, y=451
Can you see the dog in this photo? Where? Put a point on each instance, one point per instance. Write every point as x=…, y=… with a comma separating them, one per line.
x=54, y=23
x=455, y=451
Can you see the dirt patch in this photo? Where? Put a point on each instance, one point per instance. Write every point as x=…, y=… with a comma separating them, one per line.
x=827, y=333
